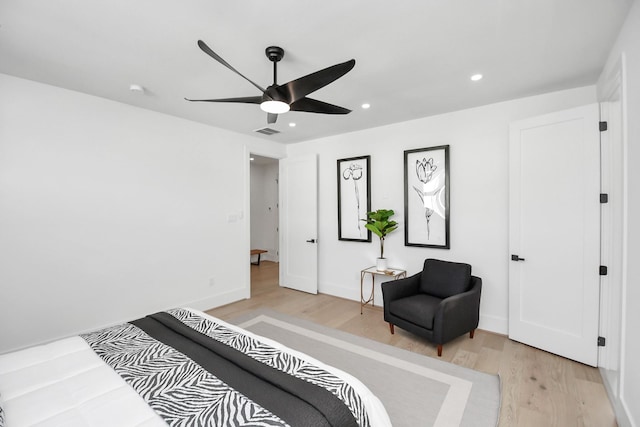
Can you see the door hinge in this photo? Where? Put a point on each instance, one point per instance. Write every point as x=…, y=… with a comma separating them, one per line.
x=603, y=126
x=603, y=270
x=602, y=341
x=604, y=198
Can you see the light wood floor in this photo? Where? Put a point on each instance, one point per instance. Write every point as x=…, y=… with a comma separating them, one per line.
x=539, y=389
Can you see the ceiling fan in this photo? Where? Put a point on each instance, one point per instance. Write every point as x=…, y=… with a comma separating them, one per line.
x=292, y=96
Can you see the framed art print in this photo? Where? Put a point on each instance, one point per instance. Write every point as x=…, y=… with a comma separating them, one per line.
x=354, y=198
x=426, y=197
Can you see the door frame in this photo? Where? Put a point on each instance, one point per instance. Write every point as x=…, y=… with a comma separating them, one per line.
x=247, y=152
x=304, y=282
x=273, y=204
x=614, y=241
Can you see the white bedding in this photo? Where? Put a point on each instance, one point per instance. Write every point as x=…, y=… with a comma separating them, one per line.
x=66, y=383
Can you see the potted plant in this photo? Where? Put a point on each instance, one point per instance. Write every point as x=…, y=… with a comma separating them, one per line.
x=378, y=222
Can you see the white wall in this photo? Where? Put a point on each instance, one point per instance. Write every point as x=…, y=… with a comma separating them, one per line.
x=478, y=140
x=626, y=394
x=109, y=212
x=264, y=209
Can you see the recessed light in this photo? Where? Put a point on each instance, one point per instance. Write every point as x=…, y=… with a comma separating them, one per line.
x=365, y=106
x=136, y=88
x=476, y=77
x=251, y=158
x=292, y=125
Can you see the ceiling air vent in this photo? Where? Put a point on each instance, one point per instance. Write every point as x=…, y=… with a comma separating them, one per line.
x=267, y=131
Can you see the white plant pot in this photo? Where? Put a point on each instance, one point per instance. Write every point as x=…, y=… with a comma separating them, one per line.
x=381, y=264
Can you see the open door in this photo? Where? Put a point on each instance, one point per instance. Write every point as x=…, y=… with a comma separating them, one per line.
x=554, y=233
x=299, y=223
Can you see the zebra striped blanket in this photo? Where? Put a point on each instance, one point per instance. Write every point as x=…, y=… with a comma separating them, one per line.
x=194, y=371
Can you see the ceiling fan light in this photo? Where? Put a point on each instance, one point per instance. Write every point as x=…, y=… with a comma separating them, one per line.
x=275, y=107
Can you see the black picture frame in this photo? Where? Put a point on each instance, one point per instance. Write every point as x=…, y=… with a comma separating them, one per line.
x=354, y=198
x=426, y=197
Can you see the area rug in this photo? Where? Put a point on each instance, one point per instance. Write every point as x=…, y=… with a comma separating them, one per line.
x=416, y=390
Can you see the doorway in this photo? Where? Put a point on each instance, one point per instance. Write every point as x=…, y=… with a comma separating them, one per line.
x=264, y=215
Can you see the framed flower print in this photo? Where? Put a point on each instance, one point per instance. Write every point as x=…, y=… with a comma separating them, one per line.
x=354, y=198
x=426, y=197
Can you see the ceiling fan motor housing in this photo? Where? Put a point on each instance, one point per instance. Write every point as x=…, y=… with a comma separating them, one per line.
x=274, y=53
x=273, y=94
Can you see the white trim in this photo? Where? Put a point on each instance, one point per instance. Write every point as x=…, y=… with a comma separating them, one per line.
x=611, y=224
x=496, y=324
x=246, y=225
x=247, y=211
x=619, y=409
x=488, y=322
x=616, y=81
x=625, y=229
x=219, y=300
x=351, y=293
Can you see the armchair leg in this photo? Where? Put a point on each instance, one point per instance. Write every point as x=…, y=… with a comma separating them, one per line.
x=391, y=328
x=471, y=333
x=439, y=350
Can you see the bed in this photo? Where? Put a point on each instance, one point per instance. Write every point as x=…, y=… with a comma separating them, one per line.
x=181, y=367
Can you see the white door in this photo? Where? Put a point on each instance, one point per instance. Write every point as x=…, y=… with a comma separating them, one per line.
x=299, y=223
x=554, y=234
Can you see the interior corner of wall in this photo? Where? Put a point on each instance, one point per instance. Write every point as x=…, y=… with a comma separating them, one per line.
x=499, y=325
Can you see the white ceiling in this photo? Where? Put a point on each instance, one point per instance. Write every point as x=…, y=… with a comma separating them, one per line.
x=413, y=58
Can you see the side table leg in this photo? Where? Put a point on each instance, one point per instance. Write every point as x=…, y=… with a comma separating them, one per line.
x=361, y=292
x=373, y=290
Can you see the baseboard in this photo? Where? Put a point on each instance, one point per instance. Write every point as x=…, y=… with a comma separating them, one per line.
x=490, y=323
x=219, y=299
x=619, y=408
x=623, y=418
x=269, y=257
x=341, y=291
x=499, y=325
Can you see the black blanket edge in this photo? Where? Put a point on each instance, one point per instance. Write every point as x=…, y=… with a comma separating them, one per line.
x=191, y=343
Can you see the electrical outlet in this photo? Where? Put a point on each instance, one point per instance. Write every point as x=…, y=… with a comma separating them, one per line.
x=211, y=282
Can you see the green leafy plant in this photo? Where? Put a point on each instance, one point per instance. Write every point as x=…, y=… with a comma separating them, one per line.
x=378, y=223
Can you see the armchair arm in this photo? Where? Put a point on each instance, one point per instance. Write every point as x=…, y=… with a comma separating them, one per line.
x=397, y=289
x=458, y=314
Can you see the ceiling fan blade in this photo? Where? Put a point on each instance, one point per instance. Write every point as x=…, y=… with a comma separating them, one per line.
x=299, y=88
x=271, y=118
x=243, y=100
x=206, y=49
x=310, y=105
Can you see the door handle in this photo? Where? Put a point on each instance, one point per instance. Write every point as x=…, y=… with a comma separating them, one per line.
x=516, y=258
x=311, y=241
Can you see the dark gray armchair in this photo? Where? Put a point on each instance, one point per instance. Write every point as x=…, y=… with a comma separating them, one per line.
x=440, y=303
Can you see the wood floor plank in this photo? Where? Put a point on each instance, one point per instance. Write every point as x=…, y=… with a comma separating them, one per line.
x=538, y=388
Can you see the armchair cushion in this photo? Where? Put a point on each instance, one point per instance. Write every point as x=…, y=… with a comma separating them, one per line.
x=419, y=309
x=443, y=279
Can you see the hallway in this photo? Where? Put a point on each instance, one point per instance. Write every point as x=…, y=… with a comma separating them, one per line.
x=264, y=278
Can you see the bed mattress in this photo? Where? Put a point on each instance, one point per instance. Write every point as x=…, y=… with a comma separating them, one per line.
x=134, y=375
